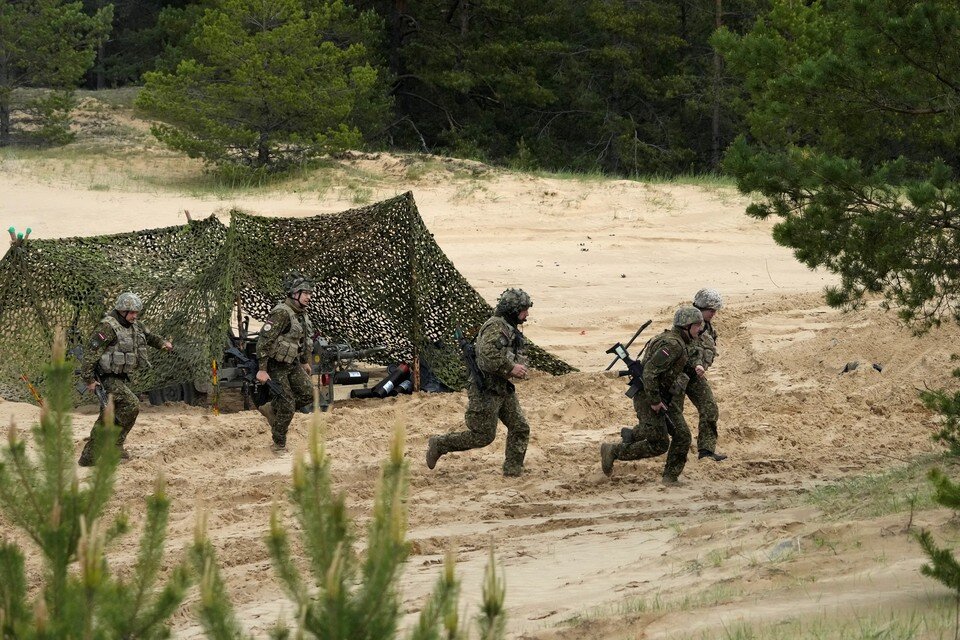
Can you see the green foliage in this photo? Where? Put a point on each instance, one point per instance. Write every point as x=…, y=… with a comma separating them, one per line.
x=49, y=116
x=47, y=43
x=943, y=565
x=948, y=406
x=265, y=87
x=41, y=494
x=853, y=144
x=623, y=87
x=348, y=596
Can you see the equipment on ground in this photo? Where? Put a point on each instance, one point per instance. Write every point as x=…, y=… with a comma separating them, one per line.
x=333, y=362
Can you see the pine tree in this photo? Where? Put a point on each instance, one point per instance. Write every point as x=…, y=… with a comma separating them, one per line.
x=943, y=564
x=41, y=494
x=853, y=144
x=265, y=87
x=347, y=596
x=45, y=43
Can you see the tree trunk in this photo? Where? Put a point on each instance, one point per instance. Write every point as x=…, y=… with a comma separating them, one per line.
x=717, y=73
x=263, y=151
x=4, y=125
x=5, y=94
x=101, y=79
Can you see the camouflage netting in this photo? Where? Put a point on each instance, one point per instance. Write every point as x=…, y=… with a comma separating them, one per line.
x=381, y=280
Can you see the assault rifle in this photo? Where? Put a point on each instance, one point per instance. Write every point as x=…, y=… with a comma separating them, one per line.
x=635, y=371
x=248, y=368
x=81, y=387
x=469, y=352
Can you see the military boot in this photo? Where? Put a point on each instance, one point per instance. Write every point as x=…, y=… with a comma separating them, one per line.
x=626, y=434
x=266, y=410
x=86, y=456
x=669, y=481
x=433, y=452
x=606, y=458
x=705, y=453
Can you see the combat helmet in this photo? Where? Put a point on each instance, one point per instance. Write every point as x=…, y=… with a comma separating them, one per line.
x=295, y=282
x=512, y=302
x=128, y=301
x=686, y=316
x=708, y=299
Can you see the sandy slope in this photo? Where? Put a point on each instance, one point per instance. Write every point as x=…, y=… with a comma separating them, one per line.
x=598, y=258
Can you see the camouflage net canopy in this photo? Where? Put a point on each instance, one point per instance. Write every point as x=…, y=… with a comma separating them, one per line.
x=380, y=280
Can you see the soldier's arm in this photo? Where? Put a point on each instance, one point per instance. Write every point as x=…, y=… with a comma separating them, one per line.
x=153, y=339
x=661, y=359
x=708, y=350
x=273, y=328
x=103, y=336
x=306, y=344
x=695, y=355
x=492, y=353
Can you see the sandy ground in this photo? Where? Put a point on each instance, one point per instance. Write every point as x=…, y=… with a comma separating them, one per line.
x=579, y=550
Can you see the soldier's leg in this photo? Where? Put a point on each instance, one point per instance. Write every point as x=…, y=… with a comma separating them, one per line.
x=701, y=396
x=650, y=435
x=518, y=435
x=284, y=404
x=302, y=387
x=126, y=408
x=679, y=442
x=482, y=414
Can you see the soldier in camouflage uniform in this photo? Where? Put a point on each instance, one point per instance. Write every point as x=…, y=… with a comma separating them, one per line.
x=698, y=389
x=661, y=427
x=117, y=348
x=499, y=351
x=284, y=347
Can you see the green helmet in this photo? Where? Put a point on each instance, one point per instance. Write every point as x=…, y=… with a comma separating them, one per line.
x=708, y=299
x=512, y=302
x=128, y=301
x=686, y=316
x=296, y=282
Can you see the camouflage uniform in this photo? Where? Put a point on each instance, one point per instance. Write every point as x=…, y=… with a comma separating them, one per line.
x=663, y=363
x=698, y=389
x=116, y=349
x=283, y=347
x=499, y=346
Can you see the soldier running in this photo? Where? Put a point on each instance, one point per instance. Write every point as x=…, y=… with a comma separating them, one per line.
x=499, y=349
x=661, y=427
x=698, y=389
x=284, y=347
x=118, y=347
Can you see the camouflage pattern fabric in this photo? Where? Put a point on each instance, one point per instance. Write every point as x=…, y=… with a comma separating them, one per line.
x=703, y=353
x=484, y=409
x=704, y=350
x=500, y=346
x=297, y=392
x=701, y=397
x=380, y=279
x=653, y=436
x=663, y=361
x=103, y=338
x=126, y=408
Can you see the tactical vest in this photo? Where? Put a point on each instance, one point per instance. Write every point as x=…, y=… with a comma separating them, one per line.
x=127, y=352
x=287, y=347
x=668, y=377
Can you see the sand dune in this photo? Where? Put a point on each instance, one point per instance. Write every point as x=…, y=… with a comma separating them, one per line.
x=598, y=258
